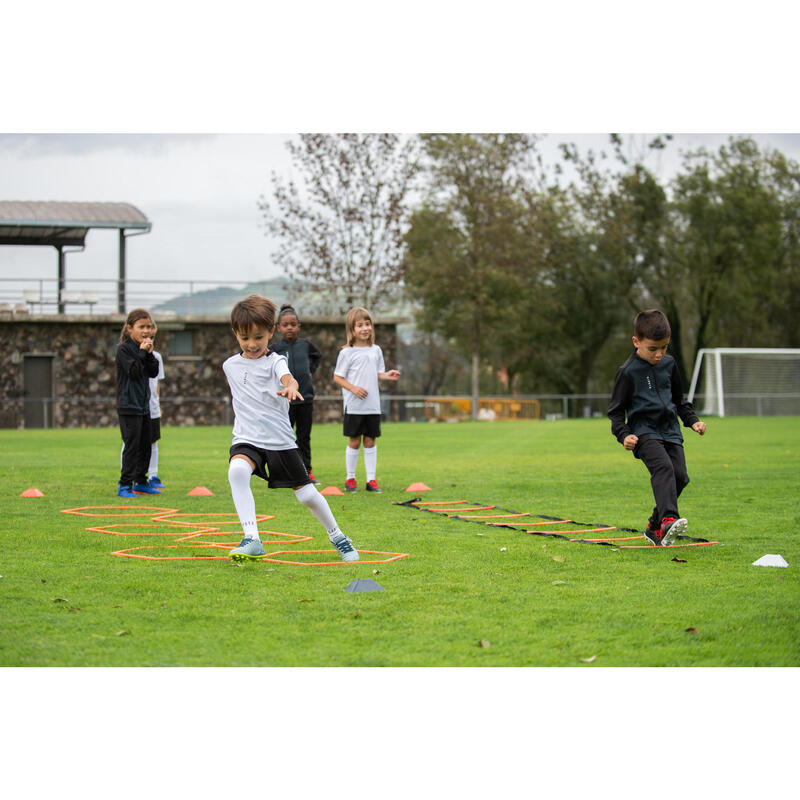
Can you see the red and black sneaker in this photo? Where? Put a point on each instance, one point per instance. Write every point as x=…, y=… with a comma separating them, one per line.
x=372, y=486
x=312, y=478
x=671, y=528
x=350, y=485
x=653, y=535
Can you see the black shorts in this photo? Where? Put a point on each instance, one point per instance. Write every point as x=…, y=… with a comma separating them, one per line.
x=155, y=429
x=286, y=468
x=362, y=425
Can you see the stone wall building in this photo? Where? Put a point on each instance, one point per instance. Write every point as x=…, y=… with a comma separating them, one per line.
x=58, y=371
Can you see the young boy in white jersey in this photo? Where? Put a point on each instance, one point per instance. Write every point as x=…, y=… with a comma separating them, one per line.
x=358, y=368
x=263, y=441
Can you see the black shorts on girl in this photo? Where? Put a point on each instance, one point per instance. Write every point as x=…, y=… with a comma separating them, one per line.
x=155, y=429
x=362, y=425
x=286, y=468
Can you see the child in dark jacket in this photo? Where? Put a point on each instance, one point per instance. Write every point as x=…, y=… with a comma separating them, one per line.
x=646, y=403
x=303, y=357
x=136, y=364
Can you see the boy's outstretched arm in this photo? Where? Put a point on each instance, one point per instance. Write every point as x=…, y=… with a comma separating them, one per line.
x=291, y=390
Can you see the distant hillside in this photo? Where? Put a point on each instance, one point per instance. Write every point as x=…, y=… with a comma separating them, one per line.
x=222, y=299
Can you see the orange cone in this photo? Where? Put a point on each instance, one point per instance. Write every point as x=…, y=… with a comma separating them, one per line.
x=418, y=487
x=32, y=493
x=198, y=491
x=331, y=490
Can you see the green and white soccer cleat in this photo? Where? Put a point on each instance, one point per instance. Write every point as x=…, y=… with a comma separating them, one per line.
x=247, y=550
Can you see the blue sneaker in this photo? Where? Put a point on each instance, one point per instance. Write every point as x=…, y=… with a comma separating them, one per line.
x=144, y=488
x=124, y=491
x=155, y=483
x=345, y=547
x=248, y=549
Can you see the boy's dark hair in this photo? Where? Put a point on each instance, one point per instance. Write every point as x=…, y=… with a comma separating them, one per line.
x=651, y=324
x=133, y=317
x=253, y=311
x=287, y=308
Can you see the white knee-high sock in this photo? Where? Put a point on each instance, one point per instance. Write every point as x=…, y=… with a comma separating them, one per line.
x=371, y=461
x=153, y=468
x=239, y=473
x=318, y=506
x=350, y=461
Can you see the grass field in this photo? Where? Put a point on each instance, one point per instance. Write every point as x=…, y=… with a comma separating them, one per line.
x=467, y=595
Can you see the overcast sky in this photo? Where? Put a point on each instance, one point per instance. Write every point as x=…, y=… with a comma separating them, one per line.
x=198, y=190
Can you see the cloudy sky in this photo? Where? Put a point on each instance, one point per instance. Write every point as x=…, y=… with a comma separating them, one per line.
x=198, y=190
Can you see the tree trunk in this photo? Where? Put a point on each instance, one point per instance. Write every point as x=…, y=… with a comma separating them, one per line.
x=476, y=362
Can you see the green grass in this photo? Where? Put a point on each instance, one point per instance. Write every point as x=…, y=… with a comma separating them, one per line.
x=67, y=602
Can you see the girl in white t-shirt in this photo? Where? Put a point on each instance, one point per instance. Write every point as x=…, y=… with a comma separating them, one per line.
x=358, y=369
x=263, y=441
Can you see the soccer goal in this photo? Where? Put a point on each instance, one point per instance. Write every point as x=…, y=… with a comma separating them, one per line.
x=739, y=381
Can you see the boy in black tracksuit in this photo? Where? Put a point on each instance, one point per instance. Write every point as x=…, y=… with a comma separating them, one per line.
x=646, y=403
x=304, y=358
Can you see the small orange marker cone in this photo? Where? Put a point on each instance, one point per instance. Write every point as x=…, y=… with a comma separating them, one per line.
x=32, y=493
x=418, y=487
x=331, y=490
x=198, y=491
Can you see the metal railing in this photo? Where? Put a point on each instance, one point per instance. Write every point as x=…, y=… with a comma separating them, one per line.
x=93, y=295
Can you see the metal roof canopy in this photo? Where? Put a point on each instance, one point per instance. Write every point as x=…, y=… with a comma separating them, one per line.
x=62, y=224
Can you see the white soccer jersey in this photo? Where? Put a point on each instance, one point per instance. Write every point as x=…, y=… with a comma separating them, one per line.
x=261, y=415
x=360, y=366
x=155, y=405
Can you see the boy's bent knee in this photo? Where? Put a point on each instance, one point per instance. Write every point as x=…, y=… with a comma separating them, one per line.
x=240, y=469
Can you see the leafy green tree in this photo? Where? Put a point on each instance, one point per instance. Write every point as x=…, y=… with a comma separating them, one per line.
x=604, y=230
x=462, y=243
x=732, y=252
x=341, y=227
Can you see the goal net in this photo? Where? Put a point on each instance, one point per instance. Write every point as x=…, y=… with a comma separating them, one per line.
x=738, y=381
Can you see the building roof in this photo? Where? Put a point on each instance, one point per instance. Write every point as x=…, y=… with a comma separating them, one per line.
x=62, y=223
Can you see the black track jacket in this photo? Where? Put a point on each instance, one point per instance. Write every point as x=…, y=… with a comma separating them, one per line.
x=303, y=357
x=134, y=367
x=648, y=400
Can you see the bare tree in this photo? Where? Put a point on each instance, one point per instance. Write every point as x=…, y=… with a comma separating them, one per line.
x=341, y=227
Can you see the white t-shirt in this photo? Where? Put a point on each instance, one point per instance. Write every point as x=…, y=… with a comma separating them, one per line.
x=261, y=415
x=360, y=366
x=155, y=406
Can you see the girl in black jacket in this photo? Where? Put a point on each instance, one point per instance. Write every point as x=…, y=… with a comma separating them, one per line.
x=135, y=365
x=303, y=357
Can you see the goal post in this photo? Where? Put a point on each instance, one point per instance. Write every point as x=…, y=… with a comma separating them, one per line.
x=739, y=381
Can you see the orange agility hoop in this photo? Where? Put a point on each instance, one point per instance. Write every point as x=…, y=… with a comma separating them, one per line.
x=394, y=557
x=81, y=511
x=290, y=538
x=114, y=530
x=172, y=517
x=129, y=553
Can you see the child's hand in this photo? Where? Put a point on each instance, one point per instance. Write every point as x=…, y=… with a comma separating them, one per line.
x=630, y=441
x=359, y=391
x=146, y=344
x=699, y=427
x=291, y=393
x=391, y=375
